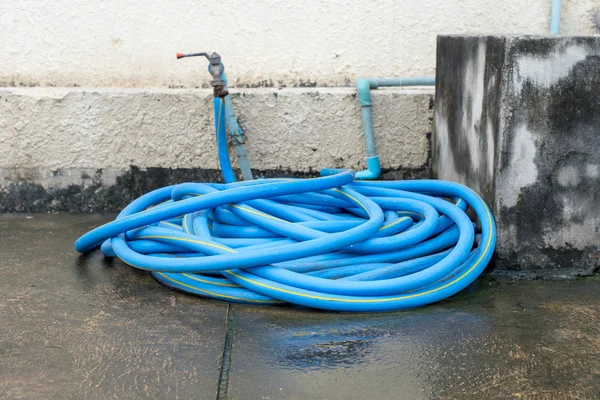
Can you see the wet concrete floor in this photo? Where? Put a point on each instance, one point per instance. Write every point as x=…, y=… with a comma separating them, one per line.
x=83, y=327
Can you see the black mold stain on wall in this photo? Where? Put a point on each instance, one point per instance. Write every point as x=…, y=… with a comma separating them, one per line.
x=27, y=196
x=544, y=93
x=565, y=120
x=457, y=57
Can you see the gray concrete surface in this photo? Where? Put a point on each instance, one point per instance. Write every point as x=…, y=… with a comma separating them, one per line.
x=82, y=327
x=57, y=139
x=516, y=119
x=74, y=327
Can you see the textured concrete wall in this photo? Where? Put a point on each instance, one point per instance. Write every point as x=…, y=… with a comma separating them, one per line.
x=312, y=42
x=54, y=139
x=517, y=119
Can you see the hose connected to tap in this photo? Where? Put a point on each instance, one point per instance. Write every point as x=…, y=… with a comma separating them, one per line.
x=330, y=242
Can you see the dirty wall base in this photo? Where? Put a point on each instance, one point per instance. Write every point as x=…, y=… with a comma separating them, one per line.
x=95, y=149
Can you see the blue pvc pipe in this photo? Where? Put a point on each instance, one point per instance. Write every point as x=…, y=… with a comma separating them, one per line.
x=363, y=88
x=375, y=83
x=364, y=100
x=555, y=17
x=221, y=130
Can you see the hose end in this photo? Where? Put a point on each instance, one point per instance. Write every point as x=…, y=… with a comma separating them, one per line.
x=331, y=171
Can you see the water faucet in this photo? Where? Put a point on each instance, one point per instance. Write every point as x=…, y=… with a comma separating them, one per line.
x=216, y=69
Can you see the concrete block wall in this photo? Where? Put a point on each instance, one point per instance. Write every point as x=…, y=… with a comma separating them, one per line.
x=72, y=149
x=516, y=118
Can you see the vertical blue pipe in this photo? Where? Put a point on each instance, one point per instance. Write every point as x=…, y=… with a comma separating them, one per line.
x=238, y=140
x=236, y=133
x=555, y=18
x=221, y=130
x=363, y=87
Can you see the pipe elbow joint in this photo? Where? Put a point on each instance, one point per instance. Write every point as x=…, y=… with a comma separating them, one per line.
x=363, y=88
x=373, y=169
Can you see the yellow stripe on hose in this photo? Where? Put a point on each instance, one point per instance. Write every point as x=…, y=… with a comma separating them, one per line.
x=195, y=289
x=353, y=198
x=259, y=213
x=394, y=223
x=386, y=299
x=190, y=241
x=171, y=224
x=212, y=283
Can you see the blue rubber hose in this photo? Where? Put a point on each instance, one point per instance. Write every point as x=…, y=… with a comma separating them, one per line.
x=343, y=261
x=221, y=130
x=331, y=242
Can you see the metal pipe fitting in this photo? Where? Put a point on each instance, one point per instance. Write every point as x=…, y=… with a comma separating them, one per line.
x=215, y=68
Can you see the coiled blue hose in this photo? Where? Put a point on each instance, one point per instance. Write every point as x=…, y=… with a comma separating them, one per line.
x=330, y=242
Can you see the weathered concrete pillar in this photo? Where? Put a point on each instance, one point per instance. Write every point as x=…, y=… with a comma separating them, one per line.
x=517, y=118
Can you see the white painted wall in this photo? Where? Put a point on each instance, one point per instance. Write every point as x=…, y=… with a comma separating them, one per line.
x=46, y=130
x=283, y=42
